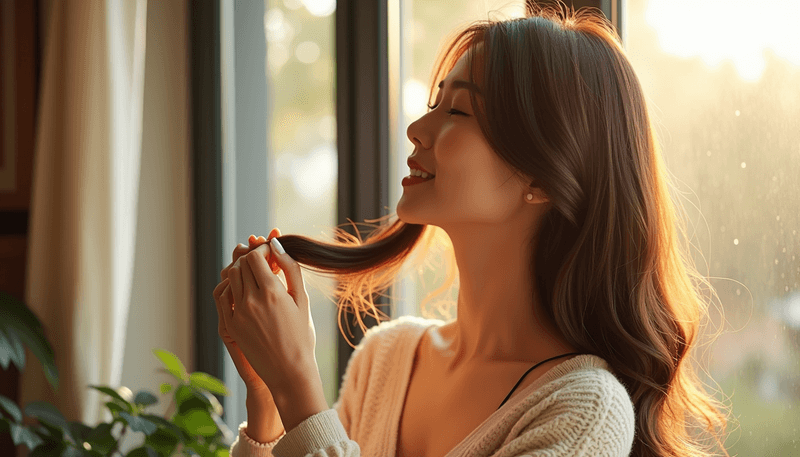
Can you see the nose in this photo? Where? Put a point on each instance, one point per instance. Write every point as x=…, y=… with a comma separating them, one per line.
x=415, y=132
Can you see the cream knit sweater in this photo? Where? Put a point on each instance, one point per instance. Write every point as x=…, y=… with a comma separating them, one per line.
x=577, y=408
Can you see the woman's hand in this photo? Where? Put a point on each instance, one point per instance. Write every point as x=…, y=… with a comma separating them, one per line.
x=272, y=322
x=223, y=296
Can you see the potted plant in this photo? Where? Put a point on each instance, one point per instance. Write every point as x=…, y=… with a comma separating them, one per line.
x=191, y=426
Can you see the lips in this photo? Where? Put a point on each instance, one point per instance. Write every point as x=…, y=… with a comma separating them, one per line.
x=414, y=164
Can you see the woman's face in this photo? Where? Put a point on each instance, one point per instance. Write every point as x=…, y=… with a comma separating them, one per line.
x=472, y=186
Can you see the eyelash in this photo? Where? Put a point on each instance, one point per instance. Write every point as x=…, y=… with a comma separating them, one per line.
x=451, y=112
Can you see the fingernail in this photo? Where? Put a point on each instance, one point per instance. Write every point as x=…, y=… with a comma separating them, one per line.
x=277, y=245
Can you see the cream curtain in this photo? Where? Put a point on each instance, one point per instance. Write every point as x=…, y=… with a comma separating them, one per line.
x=109, y=263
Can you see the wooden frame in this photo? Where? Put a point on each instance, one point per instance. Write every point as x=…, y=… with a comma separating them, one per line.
x=18, y=85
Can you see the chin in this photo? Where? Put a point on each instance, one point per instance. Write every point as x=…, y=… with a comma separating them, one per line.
x=405, y=217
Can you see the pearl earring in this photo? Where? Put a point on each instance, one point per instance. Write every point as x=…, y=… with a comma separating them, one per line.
x=529, y=197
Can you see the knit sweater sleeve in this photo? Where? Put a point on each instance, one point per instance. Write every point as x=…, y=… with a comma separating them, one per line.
x=324, y=434
x=585, y=413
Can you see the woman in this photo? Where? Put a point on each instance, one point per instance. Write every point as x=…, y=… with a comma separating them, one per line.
x=573, y=286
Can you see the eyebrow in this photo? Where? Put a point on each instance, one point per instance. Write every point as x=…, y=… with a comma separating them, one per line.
x=460, y=84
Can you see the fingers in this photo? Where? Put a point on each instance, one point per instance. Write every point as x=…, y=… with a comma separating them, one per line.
x=238, y=251
x=295, y=286
x=222, y=302
x=218, y=290
x=255, y=241
x=257, y=262
x=248, y=278
x=235, y=277
x=242, y=249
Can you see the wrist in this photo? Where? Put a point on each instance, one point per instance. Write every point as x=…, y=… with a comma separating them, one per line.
x=259, y=396
x=264, y=422
x=301, y=402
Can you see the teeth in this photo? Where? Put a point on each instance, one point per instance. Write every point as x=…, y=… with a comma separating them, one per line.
x=421, y=174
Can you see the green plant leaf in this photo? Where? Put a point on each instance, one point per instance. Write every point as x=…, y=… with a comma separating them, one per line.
x=200, y=449
x=172, y=363
x=205, y=381
x=116, y=396
x=72, y=452
x=11, y=350
x=48, y=433
x=114, y=407
x=101, y=438
x=163, y=424
x=222, y=452
x=46, y=413
x=19, y=323
x=91, y=452
x=145, y=398
x=78, y=431
x=139, y=424
x=215, y=406
x=49, y=449
x=21, y=435
x=197, y=422
x=163, y=441
x=165, y=387
x=143, y=451
x=226, y=436
x=189, y=398
x=5, y=352
x=11, y=408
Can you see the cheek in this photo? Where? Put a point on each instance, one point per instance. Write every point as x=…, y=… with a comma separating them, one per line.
x=457, y=151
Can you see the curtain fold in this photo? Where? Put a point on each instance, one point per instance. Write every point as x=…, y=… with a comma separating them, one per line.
x=83, y=214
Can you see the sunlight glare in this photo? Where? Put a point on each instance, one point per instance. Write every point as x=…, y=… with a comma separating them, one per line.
x=315, y=175
x=307, y=52
x=736, y=30
x=415, y=98
x=277, y=28
x=320, y=8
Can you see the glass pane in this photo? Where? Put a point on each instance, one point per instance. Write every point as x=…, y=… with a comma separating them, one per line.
x=417, y=30
x=302, y=134
x=724, y=82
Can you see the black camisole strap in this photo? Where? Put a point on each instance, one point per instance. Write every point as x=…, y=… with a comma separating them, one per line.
x=529, y=370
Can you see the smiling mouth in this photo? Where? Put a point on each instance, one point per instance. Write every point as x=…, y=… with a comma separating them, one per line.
x=409, y=180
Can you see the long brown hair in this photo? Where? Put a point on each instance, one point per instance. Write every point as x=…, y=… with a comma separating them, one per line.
x=563, y=106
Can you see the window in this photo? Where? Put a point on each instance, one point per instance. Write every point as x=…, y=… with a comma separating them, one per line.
x=302, y=134
x=723, y=82
x=278, y=73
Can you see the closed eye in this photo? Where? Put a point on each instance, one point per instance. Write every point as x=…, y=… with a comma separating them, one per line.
x=452, y=111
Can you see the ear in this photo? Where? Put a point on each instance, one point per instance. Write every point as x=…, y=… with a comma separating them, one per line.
x=538, y=195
